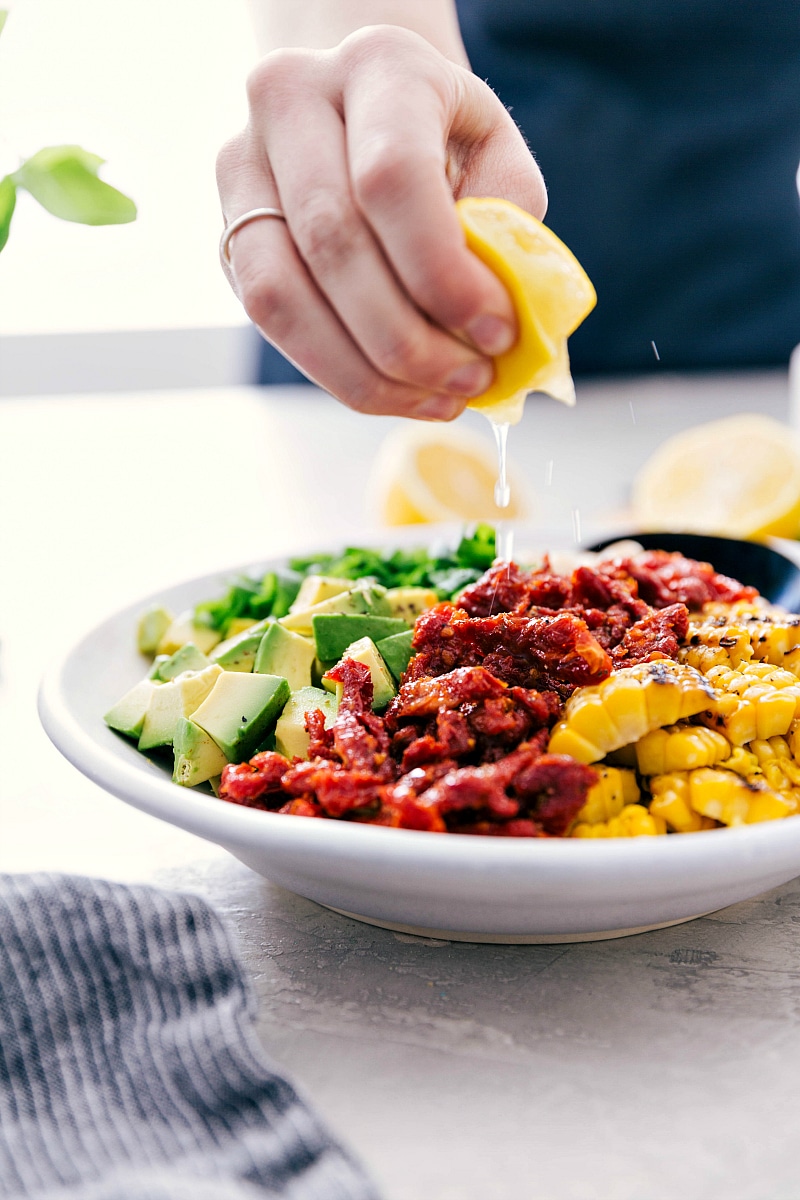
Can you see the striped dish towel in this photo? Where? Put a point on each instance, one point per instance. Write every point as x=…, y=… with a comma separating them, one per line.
x=129, y=1063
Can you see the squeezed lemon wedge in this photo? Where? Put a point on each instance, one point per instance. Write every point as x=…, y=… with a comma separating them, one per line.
x=738, y=477
x=551, y=294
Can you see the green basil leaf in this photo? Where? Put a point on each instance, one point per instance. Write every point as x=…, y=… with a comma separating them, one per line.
x=64, y=180
x=8, y=200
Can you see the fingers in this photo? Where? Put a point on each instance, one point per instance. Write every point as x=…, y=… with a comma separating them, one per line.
x=308, y=156
x=399, y=110
x=283, y=301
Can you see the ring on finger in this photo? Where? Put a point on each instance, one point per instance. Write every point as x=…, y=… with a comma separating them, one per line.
x=254, y=214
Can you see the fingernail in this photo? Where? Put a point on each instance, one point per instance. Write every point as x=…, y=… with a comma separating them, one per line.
x=437, y=408
x=491, y=334
x=471, y=379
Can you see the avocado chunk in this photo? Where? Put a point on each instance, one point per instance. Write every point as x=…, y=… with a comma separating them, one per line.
x=238, y=653
x=241, y=710
x=396, y=651
x=316, y=588
x=173, y=700
x=409, y=602
x=287, y=654
x=188, y=658
x=184, y=629
x=198, y=758
x=364, y=598
x=291, y=738
x=366, y=652
x=334, y=632
x=237, y=625
x=127, y=715
x=153, y=624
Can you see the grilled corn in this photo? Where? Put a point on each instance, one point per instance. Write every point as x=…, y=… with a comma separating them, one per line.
x=715, y=793
x=633, y=821
x=630, y=703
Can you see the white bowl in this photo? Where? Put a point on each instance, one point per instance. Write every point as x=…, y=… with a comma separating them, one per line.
x=462, y=887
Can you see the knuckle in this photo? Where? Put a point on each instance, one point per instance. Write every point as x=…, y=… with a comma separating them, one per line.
x=375, y=42
x=381, y=175
x=371, y=394
x=402, y=356
x=264, y=297
x=230, y=158
x=325, y=232
x=276, y=73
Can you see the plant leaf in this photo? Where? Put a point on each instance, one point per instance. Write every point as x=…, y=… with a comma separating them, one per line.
x=8, y=200
x=64, y=180
x=3, y=15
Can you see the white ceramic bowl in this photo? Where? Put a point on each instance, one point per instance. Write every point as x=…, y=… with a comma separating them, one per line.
x=467, y=888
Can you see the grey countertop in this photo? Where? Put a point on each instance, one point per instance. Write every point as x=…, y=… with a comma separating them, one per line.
x=659, y=1066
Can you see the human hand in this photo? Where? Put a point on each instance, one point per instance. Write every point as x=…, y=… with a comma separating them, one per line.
x=369, y=287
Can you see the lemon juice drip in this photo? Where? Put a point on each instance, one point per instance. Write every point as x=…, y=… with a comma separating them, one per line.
x=504, y=534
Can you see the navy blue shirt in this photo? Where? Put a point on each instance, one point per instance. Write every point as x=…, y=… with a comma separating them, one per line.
x=668, y=133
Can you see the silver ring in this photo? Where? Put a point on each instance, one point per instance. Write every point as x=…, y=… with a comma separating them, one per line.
x=253, y=215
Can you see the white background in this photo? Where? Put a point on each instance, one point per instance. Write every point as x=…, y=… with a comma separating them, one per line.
x=154, y=87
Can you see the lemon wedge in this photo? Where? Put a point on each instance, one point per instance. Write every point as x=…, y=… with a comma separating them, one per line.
x=551, y=293
x=439, y=473
x=739, y=477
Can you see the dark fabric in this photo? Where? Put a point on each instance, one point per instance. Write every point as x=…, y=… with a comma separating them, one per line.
x=668, y=132
x=129, y=1063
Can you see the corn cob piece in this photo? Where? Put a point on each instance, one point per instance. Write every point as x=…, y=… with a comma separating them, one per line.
x=626, y=706
x=721, y=795
x=778, y=766
x=755, y=701
x=633, y=821
x=671, y=802
x=680, y=748
x=613, y=790
x=769, y=637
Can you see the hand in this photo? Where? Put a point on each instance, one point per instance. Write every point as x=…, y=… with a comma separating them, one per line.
x=369, y=287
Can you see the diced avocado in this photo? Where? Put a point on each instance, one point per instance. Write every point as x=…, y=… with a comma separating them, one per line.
x=334, y=632
x=239, y=653
x=184, y=629
x=286, y=654
x=153, y=624
x=241, y=710
x=366, y=652
x=291, y=737
x=188, y=658
x=396, y=651
x=197, y=756
x=409, y=602
x=173, y=700
x=366, y=598
x=155, y=669
x=238, y=625
x=127, y=715
x=316, y=588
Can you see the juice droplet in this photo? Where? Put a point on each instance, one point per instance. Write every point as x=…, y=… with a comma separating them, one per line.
x=504, y=541
x=502, y=492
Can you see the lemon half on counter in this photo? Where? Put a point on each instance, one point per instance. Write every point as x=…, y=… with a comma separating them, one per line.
x=551, y=294
x=738, y=477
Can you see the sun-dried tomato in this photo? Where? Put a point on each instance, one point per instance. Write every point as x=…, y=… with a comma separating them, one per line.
x=254, y=783
x=666, y=579
x=656, y=636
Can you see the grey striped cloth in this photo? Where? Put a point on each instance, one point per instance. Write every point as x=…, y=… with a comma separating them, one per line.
x=129, y=1063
